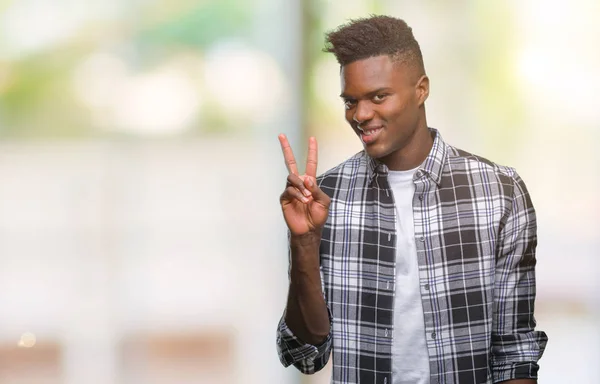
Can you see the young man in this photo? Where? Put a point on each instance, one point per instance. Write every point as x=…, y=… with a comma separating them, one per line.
x=412, y=261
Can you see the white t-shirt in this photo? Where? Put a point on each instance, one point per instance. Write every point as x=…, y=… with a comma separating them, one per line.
x=410, y=358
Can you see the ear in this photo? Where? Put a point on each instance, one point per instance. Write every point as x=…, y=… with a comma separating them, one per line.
x=422, y=89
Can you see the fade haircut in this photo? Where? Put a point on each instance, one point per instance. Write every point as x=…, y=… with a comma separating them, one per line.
x=375, y=36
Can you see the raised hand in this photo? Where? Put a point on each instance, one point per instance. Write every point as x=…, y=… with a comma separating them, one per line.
x=305, y=206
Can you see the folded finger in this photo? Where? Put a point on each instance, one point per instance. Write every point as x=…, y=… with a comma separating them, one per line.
x=292, y=193
x=297, y=182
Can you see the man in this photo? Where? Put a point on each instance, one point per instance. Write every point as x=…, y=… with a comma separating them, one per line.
x=412, y=261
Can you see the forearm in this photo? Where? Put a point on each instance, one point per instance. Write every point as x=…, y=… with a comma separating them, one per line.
x=306, y=311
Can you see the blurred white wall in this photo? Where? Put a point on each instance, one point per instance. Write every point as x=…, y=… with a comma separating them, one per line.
x=104, y=242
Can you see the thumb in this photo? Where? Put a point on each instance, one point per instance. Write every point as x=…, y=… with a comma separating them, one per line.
x=317, y=194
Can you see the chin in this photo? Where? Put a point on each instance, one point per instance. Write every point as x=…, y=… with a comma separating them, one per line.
x=376, y=153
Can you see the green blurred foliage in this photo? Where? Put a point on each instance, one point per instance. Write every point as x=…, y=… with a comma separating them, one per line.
x=195, y=26
x=36, y=92
x=38, y=102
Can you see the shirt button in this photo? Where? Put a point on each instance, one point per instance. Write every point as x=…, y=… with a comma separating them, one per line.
x=433, y=335
x=421, y=239
x=426, y=287
x=419, y=174
x=421, y=197
x=386, y=333
x=385, y=380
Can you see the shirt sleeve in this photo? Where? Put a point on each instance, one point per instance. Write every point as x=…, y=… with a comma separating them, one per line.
x=516, y=346
x=307, y=358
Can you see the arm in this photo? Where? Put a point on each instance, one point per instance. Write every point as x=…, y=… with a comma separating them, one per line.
x=306, y=312
x=303, y=335
x=516, y=346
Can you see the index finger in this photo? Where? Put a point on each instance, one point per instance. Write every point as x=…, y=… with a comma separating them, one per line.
x=312, y=159
x=288, y=155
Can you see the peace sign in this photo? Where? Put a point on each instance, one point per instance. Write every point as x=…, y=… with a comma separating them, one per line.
x=305, y=206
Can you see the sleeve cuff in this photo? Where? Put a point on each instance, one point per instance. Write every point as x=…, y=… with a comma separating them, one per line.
x=524, y=370
x=292, y=350
x=516, y=356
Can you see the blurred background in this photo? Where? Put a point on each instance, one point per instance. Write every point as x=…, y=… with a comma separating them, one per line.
x=141, y=239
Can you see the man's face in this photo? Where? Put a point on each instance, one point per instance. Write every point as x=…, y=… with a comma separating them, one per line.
x=383, y=101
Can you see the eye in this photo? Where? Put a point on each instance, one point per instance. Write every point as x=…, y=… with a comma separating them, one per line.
x=349, y=103
x=379, y=98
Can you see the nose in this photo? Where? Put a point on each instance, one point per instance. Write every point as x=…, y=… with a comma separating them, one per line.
x=363, y=112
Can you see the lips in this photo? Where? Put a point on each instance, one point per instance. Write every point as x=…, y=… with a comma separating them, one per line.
x=370, y=134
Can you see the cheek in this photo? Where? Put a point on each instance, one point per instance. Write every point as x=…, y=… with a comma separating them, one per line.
x=349, y=115
x=401, y=110
x=393, y=112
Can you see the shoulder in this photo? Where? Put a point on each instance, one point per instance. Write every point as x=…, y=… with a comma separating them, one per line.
x=485, y=179
x=348, y=168
x=484, y=176
x=463, y=162
x=344, y=174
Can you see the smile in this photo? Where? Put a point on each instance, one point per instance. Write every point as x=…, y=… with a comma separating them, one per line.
x=370, y=135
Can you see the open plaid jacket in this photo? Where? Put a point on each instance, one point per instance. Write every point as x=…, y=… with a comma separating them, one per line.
x=475, y=232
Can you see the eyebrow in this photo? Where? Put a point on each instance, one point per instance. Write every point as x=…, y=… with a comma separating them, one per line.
x=369, y=94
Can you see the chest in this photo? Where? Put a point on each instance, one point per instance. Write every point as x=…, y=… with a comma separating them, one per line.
x=456, y=226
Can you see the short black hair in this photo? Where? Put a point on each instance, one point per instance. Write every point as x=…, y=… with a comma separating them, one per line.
x=375, y=36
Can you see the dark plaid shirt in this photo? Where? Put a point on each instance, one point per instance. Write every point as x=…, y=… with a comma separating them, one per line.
x=475, y=233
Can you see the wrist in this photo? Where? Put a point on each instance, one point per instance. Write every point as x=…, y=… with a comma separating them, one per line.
x=309, y=239
x=305, y=251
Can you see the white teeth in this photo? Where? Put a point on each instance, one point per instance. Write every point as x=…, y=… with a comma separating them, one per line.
x=371, y=131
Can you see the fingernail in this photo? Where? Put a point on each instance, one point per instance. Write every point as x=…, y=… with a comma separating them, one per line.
x=306, y=192
x=310, y=182
x=304, y=199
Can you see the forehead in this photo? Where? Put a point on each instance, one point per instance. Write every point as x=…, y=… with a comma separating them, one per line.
x=366, y=75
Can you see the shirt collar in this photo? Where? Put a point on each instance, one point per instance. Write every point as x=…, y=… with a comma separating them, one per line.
x=432, y=166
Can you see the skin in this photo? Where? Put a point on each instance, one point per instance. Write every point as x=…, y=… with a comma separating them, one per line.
x=378, y=93
x=382, y=92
